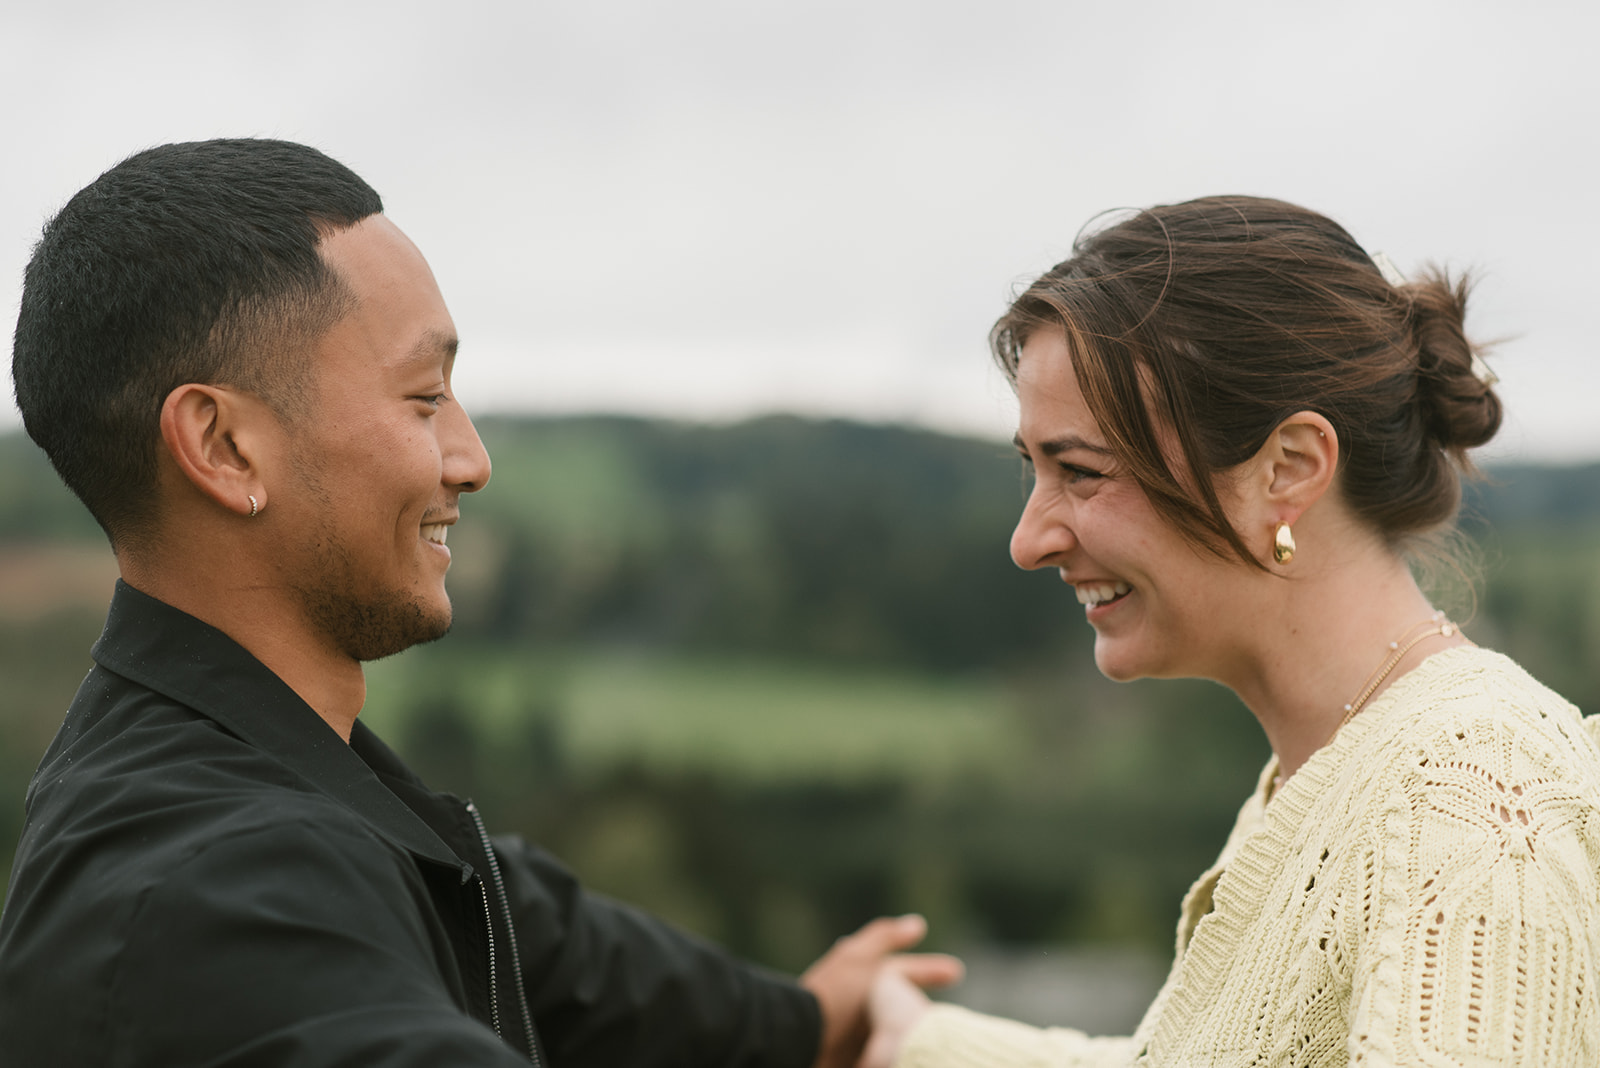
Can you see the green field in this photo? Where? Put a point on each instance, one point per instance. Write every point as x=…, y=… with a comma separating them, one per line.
x=741, y=721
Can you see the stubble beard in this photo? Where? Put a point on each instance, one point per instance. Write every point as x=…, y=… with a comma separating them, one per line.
x=372, y=628
x=363, y=622
x=351, y=613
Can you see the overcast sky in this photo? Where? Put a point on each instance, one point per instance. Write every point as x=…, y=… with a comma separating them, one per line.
x=711, y=209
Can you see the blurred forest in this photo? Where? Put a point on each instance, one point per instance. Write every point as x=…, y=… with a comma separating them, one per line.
x=775, y=678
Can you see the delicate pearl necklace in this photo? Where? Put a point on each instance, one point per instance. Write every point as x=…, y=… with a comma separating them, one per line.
x=1435, y=625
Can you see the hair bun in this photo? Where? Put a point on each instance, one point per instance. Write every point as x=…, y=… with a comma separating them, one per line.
x=1460, y=410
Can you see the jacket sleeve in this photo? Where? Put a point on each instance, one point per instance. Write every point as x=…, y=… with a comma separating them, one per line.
x=290, y=944
x=609, y=985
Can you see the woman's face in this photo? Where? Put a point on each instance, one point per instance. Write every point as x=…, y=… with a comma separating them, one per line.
x=1159, y=605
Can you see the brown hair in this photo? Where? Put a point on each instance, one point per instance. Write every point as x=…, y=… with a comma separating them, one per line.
x=1211, y=321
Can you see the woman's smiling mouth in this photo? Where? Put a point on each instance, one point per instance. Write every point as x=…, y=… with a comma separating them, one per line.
x=1091, y=594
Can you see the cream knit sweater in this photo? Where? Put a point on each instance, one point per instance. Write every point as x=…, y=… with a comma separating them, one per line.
x=1424, y=891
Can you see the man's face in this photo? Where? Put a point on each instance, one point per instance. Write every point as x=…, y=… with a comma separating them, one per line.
x=378, y=464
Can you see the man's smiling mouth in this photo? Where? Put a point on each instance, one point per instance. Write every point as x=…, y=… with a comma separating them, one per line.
x=434, y=532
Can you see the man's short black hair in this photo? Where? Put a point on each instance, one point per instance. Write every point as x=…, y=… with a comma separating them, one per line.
x=193, y=262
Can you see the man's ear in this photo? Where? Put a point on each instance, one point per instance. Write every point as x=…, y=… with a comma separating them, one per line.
x=1297, y=464
x=214, y=435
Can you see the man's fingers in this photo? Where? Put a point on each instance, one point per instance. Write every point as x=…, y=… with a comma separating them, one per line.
x=930, y=970
x=890, y=934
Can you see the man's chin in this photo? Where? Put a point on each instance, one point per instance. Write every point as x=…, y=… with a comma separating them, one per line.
x=375, y=630
x=422, y=636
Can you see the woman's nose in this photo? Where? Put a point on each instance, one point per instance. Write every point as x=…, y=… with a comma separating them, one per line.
x=1041, y=536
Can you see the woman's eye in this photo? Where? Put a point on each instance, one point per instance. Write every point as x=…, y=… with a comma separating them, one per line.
x=1079, y=474
x=433, y=400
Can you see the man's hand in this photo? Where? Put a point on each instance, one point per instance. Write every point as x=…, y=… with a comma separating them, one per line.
x=843, y=979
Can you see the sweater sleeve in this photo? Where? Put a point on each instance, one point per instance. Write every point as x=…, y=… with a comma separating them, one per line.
x=1482, y=944
x=952, y=1037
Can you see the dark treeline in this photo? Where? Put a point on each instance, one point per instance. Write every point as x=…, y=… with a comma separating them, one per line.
x=776, y=677
x=833, y=541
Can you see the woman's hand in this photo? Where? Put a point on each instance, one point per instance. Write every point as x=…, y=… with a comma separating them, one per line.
x=845, y=982
x=894, y=1006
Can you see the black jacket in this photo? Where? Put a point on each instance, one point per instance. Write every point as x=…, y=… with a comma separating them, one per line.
x=210, y=876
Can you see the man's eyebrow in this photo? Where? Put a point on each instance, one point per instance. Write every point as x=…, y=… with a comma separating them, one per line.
x=1057, y=446
x=431, y=347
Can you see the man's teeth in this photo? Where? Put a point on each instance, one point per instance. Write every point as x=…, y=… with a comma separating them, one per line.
x=434, y=532
x=1101, y=593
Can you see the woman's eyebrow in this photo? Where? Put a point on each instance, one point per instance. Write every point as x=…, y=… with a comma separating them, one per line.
x=1056, y=446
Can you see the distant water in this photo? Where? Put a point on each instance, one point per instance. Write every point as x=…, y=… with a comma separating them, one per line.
x=1103, y=991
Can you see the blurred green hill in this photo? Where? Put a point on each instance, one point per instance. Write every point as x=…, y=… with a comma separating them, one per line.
x=773, y=678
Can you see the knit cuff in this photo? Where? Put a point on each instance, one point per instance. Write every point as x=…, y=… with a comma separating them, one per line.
x=948, y=1036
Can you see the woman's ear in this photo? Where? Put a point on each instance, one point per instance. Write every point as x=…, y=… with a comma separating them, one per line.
x=213, y=434
x=1297, y=464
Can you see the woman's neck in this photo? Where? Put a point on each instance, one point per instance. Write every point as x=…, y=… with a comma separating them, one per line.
x=1324, y=637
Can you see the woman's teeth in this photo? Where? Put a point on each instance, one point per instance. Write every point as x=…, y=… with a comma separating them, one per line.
x=1092, y=594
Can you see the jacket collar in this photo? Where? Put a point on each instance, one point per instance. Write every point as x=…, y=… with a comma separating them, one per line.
x=161, y=647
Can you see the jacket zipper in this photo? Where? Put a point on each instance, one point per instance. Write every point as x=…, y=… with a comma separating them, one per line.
x=494, y=992
x=511, y=942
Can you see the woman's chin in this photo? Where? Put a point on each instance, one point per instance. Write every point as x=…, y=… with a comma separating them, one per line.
x=1114, y=663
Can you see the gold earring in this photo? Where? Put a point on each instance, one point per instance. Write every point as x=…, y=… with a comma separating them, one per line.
x=1283, y=544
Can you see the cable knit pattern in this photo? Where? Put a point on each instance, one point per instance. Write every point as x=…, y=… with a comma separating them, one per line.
x=1424, y=891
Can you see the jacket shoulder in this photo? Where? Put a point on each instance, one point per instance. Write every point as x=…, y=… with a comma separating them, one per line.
x=166, y=864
